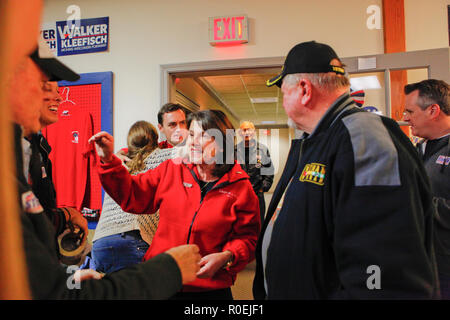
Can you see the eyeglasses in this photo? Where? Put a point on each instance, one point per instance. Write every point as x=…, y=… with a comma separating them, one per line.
x=410, y=112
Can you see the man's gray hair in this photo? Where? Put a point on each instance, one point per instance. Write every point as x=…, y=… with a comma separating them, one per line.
x=326, y=81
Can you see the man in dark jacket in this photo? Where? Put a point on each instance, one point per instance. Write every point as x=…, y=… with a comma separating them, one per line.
x=38, y=167
x=254, y=158
x=427, y=110
x=159, y=278
x=356, y=220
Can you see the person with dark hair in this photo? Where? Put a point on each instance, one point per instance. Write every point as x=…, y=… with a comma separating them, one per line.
x=158, y=278
x=427, y=110
x=38, y=166
x=356, y=216
x=205, y=199
x=172, y=123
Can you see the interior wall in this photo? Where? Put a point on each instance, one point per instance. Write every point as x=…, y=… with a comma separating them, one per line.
x=426, y=24
x=147, y=34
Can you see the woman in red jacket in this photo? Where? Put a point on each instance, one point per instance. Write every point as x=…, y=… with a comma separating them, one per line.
x=205, y=199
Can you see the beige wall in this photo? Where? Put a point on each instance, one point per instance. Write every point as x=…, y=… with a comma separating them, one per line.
x=426, y=24
x=147, y=34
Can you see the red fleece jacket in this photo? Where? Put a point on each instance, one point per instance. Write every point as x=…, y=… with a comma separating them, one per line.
x=227, y=218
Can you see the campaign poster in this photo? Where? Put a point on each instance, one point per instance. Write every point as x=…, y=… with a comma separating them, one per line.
x=82, y=36
x=48, y=32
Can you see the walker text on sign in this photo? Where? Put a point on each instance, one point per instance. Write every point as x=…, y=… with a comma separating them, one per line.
x=228, y=29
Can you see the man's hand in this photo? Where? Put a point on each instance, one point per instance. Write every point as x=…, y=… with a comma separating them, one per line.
x=104, y=144
x=77, y=219
x=187, y=257
x=87, y=274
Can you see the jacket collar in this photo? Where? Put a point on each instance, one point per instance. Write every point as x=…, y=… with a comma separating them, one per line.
x=236, y=173
x=344, y=102
x=252, y=143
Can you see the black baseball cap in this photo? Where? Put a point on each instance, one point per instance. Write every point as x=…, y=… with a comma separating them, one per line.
x=52, y=67
x=307, y=57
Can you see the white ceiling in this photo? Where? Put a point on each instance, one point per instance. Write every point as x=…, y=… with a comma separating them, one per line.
x=234, y=92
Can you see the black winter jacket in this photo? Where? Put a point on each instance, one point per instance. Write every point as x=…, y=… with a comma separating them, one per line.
x=257, y=164
x=158, y=278
x=356, y=221
x=437, y=165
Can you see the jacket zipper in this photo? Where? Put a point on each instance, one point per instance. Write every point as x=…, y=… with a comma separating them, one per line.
x=300, y=152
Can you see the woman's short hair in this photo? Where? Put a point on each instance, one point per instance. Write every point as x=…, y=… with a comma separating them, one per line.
x=217, y=122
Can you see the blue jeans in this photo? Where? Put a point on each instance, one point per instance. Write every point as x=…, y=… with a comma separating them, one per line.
x=118, y=251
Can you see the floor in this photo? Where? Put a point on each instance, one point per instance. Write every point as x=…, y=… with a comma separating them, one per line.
x=242, y=288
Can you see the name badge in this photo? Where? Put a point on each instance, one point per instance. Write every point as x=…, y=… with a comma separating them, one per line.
x=30, y=203
x=44, y=173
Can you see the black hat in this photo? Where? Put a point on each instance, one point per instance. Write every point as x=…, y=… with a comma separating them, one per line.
x=52, y=67
x=307, y=57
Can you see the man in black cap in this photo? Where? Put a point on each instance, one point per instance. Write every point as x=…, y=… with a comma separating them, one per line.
x=356, y=219
x=35, y=148
x=158, y=278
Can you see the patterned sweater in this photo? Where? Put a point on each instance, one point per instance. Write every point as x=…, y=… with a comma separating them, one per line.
x=114, y=220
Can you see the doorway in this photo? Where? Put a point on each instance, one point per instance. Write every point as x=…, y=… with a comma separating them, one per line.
x=237, y=87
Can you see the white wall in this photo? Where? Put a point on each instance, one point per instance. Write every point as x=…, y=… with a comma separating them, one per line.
x=147, y=34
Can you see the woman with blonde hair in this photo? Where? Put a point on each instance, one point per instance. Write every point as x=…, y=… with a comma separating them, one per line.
x=121, y=239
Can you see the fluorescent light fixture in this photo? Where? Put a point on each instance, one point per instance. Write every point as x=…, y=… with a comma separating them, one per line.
x=268, y=122
x=364, y=83
x=264, y=100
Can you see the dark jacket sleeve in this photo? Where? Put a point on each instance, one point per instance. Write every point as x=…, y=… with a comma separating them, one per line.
x=267, y=170
x=383, y=227
x=157, y=278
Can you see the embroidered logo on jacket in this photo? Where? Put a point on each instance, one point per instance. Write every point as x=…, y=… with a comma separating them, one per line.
x=314, y=173
x=228, y=194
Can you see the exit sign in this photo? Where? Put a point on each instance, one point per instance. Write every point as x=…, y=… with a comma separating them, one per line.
x=228, y=29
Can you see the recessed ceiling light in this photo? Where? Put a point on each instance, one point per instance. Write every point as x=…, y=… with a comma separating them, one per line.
x=264, y=100
x=364, y=83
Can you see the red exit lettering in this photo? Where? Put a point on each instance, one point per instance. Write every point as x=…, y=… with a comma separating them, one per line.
x=228, y=28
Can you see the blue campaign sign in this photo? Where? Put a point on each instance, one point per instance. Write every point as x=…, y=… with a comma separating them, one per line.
x=83, y=36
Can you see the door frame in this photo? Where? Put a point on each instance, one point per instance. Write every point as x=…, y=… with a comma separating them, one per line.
x=436, y=61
